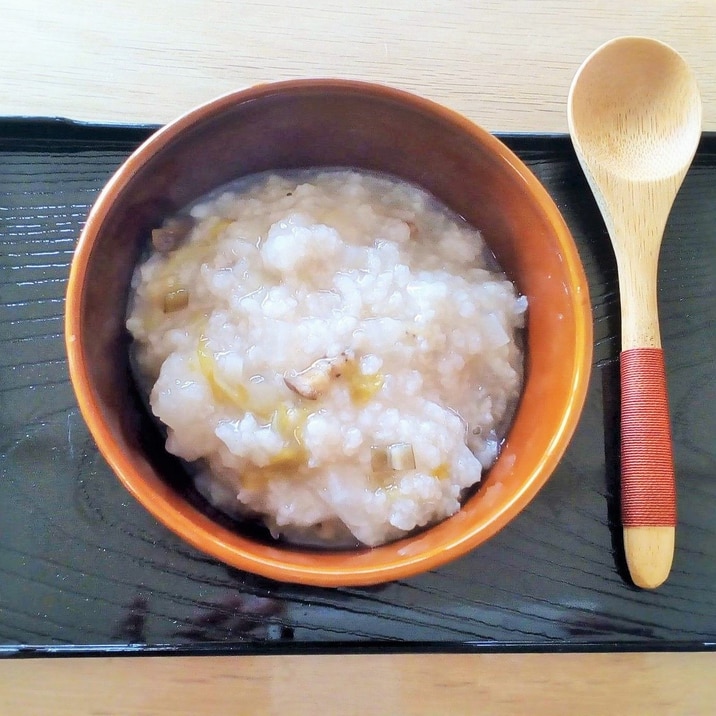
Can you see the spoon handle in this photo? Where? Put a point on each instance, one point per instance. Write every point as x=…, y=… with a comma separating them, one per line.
x=648, y=492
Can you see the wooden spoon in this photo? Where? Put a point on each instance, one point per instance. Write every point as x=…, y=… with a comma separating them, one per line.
x=634, y=113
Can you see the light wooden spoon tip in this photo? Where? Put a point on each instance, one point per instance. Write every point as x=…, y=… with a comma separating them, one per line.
x=649, y=553
x=634, y=111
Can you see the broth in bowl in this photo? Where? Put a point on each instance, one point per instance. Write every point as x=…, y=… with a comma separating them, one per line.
x=332, y=351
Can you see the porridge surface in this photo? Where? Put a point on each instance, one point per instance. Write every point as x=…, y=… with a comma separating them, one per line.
x=334, y=349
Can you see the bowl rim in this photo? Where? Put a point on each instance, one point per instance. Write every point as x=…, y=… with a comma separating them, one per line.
x=229, y=547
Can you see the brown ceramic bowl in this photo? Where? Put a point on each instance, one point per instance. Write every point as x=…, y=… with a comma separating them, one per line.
x=331, y=123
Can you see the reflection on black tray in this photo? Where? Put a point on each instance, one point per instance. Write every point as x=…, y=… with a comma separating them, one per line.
x=84, y=567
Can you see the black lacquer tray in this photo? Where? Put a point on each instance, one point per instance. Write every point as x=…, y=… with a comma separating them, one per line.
x=85, y=569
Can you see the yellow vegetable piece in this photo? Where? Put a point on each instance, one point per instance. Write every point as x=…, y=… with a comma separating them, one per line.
x=364, y=388
x=289, y=456
x=223, y=391
x=442, y=471
x=361, y=387
x=289, y=422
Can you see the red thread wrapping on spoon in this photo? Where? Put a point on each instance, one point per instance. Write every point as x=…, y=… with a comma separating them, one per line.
x=648, y=494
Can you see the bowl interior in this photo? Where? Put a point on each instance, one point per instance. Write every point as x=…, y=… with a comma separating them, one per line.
x=332, y=123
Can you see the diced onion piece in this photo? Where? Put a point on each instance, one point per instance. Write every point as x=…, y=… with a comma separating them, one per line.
x=378, y=458
x=176, y=300
x=401, y=456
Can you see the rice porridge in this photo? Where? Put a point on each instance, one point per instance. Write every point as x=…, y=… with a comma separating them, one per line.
x=333, y=351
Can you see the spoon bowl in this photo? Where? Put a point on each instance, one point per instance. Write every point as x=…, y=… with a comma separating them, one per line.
x=634, y=113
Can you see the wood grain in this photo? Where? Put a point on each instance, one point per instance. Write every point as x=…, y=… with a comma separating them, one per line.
x=507, y=64
x=549, y=685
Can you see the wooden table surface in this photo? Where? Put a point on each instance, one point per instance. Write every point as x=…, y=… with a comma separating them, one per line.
x=507, y=64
